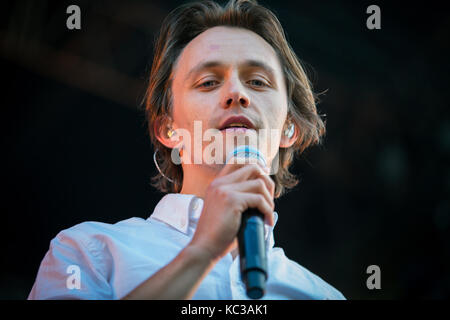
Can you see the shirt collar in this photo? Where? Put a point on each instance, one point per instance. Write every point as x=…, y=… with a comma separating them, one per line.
x=183, y=210
x=176, y=208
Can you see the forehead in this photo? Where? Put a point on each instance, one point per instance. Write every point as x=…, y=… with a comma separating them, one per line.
x=229, y=45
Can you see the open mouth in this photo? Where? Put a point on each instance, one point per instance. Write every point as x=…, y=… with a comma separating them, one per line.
x=237, y=124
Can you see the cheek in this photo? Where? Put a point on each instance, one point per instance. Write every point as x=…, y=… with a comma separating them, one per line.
x=191, y=107
x=276, y=118
x=276, y=113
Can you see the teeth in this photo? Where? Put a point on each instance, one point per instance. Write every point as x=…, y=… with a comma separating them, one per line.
x=239, y=125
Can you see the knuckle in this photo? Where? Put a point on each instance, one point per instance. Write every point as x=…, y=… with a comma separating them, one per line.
x=272, y=184
x=261, y=183
x=261, y=198
x=216, y=183
x=220, y=191
x=223, y=193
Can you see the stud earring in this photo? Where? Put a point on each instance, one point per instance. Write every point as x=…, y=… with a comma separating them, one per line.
x=170, y=133
x=289, y=132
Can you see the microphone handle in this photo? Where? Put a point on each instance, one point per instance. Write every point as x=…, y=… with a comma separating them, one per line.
x=252, y=253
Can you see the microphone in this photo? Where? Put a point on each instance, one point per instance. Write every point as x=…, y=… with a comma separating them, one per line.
x=252, y=246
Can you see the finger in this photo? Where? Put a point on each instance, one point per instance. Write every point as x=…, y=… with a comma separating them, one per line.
x=247, y=173
x=251, y=200
x=234, y=163
x=270, y=184
x=253, y=186
x=237, y=172
x=258, y=201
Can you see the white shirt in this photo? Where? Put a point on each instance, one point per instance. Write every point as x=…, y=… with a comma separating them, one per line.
x=108, y=261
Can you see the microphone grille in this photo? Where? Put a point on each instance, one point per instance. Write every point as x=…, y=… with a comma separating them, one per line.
x=247, y=152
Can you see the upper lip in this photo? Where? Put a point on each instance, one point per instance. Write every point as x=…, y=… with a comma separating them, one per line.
x=237, y=119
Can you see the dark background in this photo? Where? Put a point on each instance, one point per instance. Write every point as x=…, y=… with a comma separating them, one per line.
x=75, y=144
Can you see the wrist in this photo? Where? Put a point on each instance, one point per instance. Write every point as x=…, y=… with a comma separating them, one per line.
x=201, y=254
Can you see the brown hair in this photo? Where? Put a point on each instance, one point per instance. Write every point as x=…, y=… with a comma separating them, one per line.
x=185, y=23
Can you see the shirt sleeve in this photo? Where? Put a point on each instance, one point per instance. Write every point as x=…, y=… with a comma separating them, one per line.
x=72, y=269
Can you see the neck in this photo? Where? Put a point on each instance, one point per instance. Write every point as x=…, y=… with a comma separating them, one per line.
x=196, y=179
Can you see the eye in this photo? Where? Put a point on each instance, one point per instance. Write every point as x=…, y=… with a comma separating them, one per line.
x=205, y=84
x=258, y=82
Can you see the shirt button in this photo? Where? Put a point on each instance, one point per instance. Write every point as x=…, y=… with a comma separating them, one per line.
x=195, y=206
x=183, y=222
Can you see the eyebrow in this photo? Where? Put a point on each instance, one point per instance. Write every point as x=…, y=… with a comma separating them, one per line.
x=247, y=63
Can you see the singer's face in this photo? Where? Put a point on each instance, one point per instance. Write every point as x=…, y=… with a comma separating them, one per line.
x=245, y=79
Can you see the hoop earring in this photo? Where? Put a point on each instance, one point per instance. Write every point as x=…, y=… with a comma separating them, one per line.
x=157, y=166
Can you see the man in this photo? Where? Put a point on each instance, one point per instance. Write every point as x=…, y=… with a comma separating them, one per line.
x=214, y=69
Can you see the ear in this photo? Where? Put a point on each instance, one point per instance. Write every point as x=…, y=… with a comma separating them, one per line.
x=285, y=141
x=161, y=128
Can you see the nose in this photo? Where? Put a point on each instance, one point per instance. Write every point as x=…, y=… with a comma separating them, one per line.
x=235, y=94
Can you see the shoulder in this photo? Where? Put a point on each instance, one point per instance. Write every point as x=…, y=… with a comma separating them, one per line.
x=93, y=239
x=96, y=226
x=82, y=251
x=309, y=285
x=92, y=231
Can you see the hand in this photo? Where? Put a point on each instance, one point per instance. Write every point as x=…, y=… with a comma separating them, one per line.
x=236, y=188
